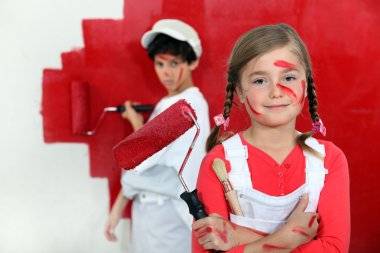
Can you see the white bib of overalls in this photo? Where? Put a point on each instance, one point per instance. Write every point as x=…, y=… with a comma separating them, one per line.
x=264, y=212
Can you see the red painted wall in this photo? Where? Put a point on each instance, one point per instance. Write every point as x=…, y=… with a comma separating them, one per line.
x=344, y=42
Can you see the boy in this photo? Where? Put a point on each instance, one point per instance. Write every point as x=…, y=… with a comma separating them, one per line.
x=160, y=219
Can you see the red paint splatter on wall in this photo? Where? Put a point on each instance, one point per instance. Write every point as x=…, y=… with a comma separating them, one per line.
x=117, y=68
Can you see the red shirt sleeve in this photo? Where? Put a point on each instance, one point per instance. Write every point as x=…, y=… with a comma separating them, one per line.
x=333, y=207
x=210, y=192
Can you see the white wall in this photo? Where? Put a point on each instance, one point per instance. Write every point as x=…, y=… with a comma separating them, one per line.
x=48, y=201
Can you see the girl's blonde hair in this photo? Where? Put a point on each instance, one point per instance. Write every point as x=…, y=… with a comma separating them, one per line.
x=257, y=42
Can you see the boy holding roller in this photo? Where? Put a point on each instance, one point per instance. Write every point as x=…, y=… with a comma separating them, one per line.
x=160, y=219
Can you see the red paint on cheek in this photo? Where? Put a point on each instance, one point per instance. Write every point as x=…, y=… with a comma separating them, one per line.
x=299, y=231
x=312, y=220
x=180, y=74
x=283, y=64
x=303, y=92
x=287, y=90
x=251, y=108
x=270, y=247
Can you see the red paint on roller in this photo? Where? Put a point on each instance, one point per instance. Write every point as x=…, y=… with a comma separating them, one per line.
x=251, y=108
x=283, y=64
x=300, y=231
x=312, y=220
x=154, y=136
x=287, y=90
x=80, y=107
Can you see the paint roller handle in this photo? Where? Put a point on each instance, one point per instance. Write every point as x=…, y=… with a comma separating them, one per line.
x=137, y=108
x=196, y=207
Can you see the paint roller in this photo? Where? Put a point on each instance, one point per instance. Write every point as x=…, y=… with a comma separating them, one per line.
x=80, y=107
x=156, y=134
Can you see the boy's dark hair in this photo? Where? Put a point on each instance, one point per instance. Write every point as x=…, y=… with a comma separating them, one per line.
x=166, y=44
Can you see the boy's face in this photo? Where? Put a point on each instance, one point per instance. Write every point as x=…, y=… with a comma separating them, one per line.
x=174, y=73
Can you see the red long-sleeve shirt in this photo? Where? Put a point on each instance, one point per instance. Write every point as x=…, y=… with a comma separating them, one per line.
x=274, y=179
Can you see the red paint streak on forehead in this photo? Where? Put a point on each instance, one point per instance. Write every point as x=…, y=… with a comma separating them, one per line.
x=165, y=57
x=287, y=90
x=299, y=231
x=283, y=64
x=303, y=92
x=270, y=247
x=180, y=74
x=251, y=108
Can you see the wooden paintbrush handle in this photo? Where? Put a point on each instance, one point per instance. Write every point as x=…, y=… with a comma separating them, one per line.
x=231, y=197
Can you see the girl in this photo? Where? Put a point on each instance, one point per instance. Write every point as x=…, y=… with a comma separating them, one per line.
x=293, y=189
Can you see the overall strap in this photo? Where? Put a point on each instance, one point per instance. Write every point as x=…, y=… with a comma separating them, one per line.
x=237, y=154
x=315, y=173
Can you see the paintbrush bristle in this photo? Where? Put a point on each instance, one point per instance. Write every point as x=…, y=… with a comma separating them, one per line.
x=220, y=169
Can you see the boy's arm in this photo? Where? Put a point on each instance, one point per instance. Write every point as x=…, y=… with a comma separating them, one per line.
x=115, y=216
x=136, y=119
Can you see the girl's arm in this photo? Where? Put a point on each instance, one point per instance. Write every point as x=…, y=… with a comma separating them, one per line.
x=333, y=207
x=215, y=232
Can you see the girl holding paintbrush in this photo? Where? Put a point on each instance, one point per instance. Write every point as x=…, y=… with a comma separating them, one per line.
x=285, y=190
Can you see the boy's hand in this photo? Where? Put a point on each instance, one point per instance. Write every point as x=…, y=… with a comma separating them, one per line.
x=136, y=119
x=215, y=232
x=109, y=229
x=304, y=224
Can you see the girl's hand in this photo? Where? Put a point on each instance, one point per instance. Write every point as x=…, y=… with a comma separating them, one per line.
x=215, y=232
x=304, y=224
x=136, y=119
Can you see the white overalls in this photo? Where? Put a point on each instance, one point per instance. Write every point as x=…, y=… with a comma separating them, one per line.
x=264, y=212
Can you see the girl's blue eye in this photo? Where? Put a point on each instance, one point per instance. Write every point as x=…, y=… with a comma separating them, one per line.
x=174, y=63
x=290, y=78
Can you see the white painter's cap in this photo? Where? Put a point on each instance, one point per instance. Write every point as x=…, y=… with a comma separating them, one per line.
x=176, y=29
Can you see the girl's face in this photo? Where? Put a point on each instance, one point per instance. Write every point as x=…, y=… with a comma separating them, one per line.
x=273, y=87
x=173, y=72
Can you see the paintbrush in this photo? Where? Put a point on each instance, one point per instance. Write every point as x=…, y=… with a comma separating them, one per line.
x=220, y=170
